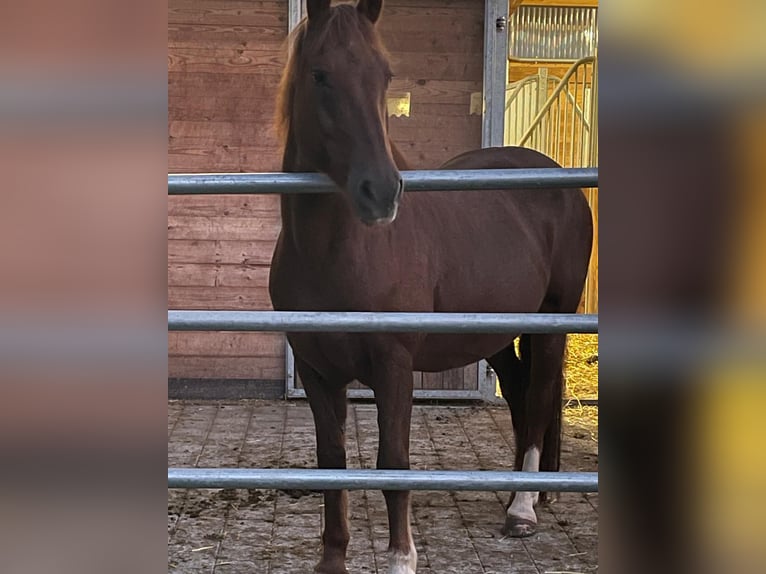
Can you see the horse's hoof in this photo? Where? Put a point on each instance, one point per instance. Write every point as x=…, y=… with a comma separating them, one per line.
x=549, y=497
x=330, y=568
x=516, y=527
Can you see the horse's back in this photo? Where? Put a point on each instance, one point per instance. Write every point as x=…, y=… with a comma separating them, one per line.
x=508, y=157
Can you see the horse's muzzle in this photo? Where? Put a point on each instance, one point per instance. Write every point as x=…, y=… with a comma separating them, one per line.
x=377, y=203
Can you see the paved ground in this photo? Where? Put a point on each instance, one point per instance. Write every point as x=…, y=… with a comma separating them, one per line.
x=275, y=532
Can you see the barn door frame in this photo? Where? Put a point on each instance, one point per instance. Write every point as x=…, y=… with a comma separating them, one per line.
x=496, y=18
x=493, y=124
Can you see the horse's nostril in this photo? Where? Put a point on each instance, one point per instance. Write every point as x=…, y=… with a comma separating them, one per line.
x=366, y=189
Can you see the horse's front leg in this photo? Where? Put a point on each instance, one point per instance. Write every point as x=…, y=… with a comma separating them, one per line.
x=328, y=404
x=393, y=396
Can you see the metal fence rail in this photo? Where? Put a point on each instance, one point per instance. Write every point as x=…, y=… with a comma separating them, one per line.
x=322, y=479
x=434, y=180
x=301, y=321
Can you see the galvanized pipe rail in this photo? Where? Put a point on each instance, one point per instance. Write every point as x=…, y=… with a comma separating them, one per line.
x=322, y=479
x=353, y=479
x=352, y=322
x=424, y=180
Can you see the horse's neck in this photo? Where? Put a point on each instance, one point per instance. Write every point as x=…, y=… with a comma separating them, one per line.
x=311, y=221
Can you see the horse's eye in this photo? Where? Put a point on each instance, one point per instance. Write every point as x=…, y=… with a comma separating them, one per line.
x=320, y=78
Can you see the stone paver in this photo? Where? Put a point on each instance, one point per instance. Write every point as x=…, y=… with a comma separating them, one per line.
x=276, y=532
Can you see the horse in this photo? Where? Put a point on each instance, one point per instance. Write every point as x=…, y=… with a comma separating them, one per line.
x=371, y=247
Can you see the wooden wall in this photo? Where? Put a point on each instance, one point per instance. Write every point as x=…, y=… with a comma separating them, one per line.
x=437, y=50
x=224, y=62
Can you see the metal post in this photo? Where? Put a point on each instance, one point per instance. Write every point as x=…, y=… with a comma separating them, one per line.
x=495, y=71
x=294, y=14
x=294, y=17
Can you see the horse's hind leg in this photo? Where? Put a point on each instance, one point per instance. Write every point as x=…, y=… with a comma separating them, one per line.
x=540, y=425
x=328, y=404
x=513, y=374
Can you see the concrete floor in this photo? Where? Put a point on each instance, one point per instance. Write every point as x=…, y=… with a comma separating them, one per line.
x=266, y=531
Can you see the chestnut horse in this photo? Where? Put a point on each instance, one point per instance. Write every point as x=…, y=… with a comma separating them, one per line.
x=482, y=251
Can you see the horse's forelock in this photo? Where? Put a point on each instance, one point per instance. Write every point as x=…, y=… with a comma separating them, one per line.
x=341, y=22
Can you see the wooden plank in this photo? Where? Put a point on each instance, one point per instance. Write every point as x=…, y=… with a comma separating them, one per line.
x=256, y=86
x=221, y=298
x=244, y=14
x=215, y=275
x=222, y=159
x=225, y=60
x=260, y=6
x=196, y=34
x=227, y=205
x=471, y=377
x=421, y=156
x=193, y=251
x=214, y=99
x=433, y=381
x=424, y=4
x=437, y=91
x=193, y=275
x=265, y=368
x=453, y=379
x=201, y=157
x=225, y=252
x=425, y=134
x=222, y=107
x=220, y=130
x=225, y=344
x=440, y=22
x=452, y=66
x=264, y=228
x=426, y=118
x=431, y=112
x=434, y=43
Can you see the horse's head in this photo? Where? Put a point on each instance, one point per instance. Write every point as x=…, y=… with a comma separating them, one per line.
x=334, y=105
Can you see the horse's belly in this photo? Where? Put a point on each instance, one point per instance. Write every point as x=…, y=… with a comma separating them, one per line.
x=443, y=352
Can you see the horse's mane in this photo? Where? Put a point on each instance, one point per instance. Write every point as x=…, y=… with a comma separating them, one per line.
x=341, y=23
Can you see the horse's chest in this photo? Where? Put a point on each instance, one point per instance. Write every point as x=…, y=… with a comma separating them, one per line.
x=331, y=283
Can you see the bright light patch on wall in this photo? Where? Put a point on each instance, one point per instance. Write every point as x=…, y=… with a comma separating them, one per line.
x=398, y=104
x=477, y=104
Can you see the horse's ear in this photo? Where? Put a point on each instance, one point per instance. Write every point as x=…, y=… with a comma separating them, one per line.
x=370, y=8
x=316, y=8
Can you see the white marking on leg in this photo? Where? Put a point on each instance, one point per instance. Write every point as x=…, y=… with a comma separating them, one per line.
x=401, y=563
x=404, y=562
x=523, y=505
